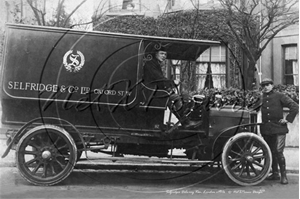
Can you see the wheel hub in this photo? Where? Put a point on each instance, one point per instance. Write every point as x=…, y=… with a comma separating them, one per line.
x=46, y=154
x=249, y=158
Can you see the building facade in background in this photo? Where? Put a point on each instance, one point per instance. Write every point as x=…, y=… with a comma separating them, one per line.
x=280, y=60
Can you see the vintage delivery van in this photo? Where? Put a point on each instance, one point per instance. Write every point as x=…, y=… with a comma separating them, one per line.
x=66, y=91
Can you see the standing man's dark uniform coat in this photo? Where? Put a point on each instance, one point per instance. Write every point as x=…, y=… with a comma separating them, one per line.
x=272, y=111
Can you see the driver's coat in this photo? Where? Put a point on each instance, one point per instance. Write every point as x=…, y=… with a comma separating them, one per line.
x=153, y=76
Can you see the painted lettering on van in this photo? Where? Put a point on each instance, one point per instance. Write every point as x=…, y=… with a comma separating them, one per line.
x=70, y=95
x=32, y=86
x=54, y=88
x=86, y=102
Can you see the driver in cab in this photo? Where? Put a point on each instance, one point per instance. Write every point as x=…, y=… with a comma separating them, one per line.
x=153, y=75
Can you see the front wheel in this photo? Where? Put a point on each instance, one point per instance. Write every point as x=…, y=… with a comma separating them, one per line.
x=246, y=159
x=46, y=155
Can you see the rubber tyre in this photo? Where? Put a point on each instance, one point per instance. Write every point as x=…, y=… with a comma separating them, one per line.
x=246, y=159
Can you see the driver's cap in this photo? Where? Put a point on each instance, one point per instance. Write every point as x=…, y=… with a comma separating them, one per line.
x=266, y=81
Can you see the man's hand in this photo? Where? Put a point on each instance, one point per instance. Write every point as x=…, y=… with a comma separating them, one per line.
x=283, y=121
x=170, y=91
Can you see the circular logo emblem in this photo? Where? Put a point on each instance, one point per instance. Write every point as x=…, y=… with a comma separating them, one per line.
x=73, y=62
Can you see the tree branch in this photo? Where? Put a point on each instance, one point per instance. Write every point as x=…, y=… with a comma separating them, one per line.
x=35, y=11
x=77, y=7
x=59, y=8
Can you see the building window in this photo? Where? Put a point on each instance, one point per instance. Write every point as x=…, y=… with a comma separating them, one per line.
x=176, y=69
x=171, y=3
x=211, y=68
x=124, y=5
x=128, y=5
x=291, y=69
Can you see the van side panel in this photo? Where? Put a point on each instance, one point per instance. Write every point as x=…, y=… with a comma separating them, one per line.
x=87, y=79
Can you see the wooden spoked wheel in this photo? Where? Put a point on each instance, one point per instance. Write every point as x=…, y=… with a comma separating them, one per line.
x=246, y=159
x=46, y=155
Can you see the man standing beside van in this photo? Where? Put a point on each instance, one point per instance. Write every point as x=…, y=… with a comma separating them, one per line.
x=153, y=76
x=274, y=127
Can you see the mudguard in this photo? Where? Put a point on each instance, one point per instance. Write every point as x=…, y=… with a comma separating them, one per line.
x=22, y=131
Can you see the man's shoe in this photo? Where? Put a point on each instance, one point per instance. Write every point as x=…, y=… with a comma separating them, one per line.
x=192, y=124
x=283, y=179
x=274, y=176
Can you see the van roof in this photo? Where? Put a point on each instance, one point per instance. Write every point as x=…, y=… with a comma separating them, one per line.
x=156, y=38
x=178, y=48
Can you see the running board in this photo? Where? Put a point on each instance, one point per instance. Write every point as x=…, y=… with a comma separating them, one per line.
x=143, y=160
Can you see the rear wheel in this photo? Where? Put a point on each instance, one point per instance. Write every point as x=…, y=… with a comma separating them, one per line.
x=246, y=159
x=46, y=155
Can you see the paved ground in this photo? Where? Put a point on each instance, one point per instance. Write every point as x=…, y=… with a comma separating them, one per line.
x=141, y=185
